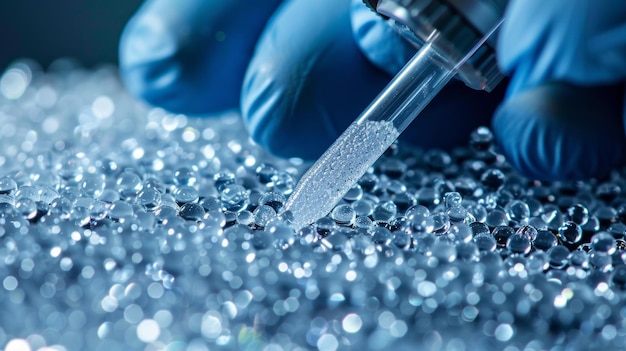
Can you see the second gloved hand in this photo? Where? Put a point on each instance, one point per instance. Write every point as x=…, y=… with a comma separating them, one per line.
x=563, y=117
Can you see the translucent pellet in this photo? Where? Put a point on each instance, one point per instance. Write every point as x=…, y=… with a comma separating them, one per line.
x=497, y=218
x=8, y=186
x=263, y=215
x=558, y=256
x=186, y=194
x=384, y=211
x=603, y=242
x=501, y=234
x=92, y=184
x=481, y=139
x=485, y=242
x=570, y=232
x=527, y=230
x=192, y=212
x=234, y=197
x=517, y=210
x=578, y=214
x=518, y=243
x=149, y=198
x=343, y=214
x=545, y=240
x=129, y=184
x=186, y=176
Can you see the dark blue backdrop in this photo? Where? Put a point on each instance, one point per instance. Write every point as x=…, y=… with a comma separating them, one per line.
x=47, y=29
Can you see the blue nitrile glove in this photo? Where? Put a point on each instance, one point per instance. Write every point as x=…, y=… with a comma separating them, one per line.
x=563, y=117
x=307, y=80
x=189, y=56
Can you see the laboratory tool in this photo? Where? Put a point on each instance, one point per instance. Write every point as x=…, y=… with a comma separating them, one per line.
x=456, y=38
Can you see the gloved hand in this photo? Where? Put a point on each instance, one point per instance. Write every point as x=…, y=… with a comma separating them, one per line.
x=563, y=117
x=300, y=71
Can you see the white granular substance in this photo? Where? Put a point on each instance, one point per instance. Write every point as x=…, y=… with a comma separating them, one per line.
x=339, y=168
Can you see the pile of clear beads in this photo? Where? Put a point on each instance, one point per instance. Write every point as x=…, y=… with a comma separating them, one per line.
x=125, y=227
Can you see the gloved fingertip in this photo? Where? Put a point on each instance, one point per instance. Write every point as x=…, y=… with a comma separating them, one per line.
x=146, y=55
x=559, y=131
x=380, y=43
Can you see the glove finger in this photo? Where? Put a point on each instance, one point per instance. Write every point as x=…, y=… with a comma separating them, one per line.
x=307, y=80
x=581, y=42
x=559, y=131
x=190, y=56
x=378, y=41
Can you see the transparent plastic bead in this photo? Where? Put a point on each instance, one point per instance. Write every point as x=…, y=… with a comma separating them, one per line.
x=603, y=242
x=325, y=226
x=263, y=215
x=570, y=232
x=363, y=222
x=149, y=198
x=537, y=262
x=223, y=178
x=129, y=184
x=476, y=210
x=384, y=211
x=545, y=240
x=558, y=256
x=481, y=139
x=363, y=207
x=393, y=168
x=441, y=222
x=461, y=232
x=284, y=183
x=185, y=194
x=578, y=214
x=496, y=218
x=8, y=186
x=369, y=182
x=579, y=259
x=26, y=207
x=485, y=242
x=192, y=211
x=355, y=193
x=27, y=192
x=527, y=230
x=93, y=184
x=452, y=199
x=518, y=243
x=234, y=197
x=479, y=228
x=185, y=176
x=517, y=210
x=210, y=203
x=381, y=235
x=120, y=210
x=600, y=261
x=501, y=234
x=437, y=159
x=343, y=214
x=266, y=173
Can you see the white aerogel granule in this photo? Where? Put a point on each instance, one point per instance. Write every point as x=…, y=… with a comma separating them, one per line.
x=339, y=168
